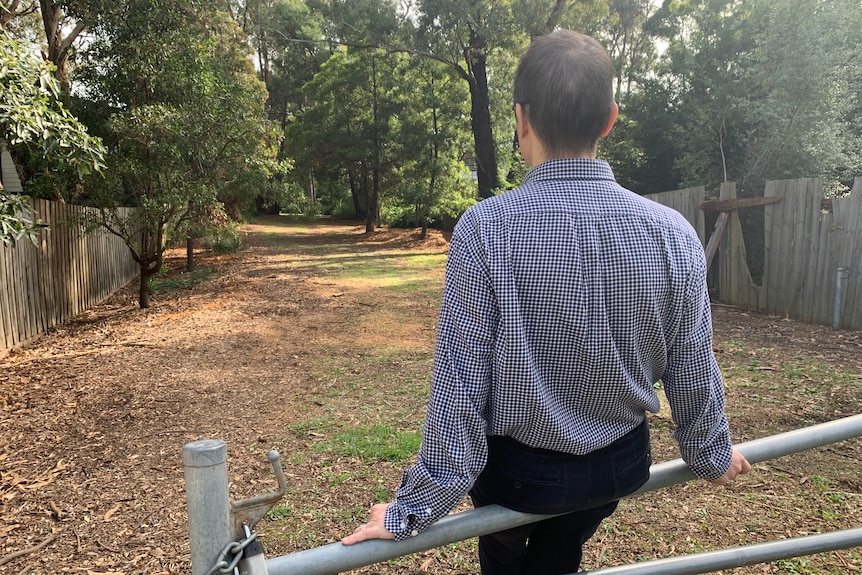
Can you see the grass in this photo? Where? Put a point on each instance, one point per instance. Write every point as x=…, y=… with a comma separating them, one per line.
x=375, y=443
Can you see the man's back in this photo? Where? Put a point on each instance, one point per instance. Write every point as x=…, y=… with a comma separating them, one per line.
x=592, y=283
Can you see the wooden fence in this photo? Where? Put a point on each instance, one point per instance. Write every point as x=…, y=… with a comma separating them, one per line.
x=808, y=243
x=64, y=274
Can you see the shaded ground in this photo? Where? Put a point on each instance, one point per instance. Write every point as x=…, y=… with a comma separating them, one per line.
x=93, y=416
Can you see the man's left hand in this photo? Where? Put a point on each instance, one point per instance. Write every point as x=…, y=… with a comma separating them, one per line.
x=374, y=529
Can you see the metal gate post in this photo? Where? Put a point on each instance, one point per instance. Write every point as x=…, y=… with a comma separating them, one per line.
x=208, y=500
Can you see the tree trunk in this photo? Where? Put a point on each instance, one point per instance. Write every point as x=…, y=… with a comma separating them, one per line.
x=374, y=197
x=190, y=253
x=144, y=287
x=355, y=194
x=58, y=46
x=373, y=214
x=480, y=119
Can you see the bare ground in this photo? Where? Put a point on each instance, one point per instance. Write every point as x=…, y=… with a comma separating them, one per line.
x=94, y=415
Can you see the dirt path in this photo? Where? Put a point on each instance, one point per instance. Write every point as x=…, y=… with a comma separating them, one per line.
x=94, y=414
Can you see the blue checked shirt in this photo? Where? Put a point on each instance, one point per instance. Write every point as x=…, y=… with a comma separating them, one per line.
x=565, y=301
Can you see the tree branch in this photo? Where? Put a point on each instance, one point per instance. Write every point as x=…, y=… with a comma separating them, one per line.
x=391, y=48
x=71, y=37
x=28, y=550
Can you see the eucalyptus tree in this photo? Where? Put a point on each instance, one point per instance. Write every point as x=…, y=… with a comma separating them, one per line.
x=349, y=123
x=20, y=19
x=474, y=38
x=631, y=47
x=286, y=36
x=186, y=121
x=463, y=35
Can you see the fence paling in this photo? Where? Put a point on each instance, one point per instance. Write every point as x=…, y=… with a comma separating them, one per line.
x=335, y=558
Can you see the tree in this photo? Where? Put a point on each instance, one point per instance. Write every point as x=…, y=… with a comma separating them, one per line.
x=754, y=91
x=32, y=115
x=462, y=35
x=60, y=34
x=433, y=142
x=286, y=36
x=187, y=124
x=15, y=17
x=348, y=123
x=631, y=47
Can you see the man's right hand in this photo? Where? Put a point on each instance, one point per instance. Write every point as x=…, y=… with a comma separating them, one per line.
x=739, y=465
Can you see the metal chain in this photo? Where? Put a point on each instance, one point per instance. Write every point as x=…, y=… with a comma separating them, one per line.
x=235, y=549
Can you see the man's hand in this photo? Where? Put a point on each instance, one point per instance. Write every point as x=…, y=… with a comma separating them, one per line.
x=738, y=466
x=374, y=529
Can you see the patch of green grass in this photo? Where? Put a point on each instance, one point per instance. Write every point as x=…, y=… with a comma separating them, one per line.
x=319, y=425
x=799, y=565
x=279, y=512
x=375, y=443
x=820, y=482
x=337, y=479
x=382, y=494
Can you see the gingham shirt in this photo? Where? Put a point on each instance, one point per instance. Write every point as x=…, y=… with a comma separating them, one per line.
x=565, y=301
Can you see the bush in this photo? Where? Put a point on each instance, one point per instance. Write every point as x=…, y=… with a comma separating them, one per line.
x=223, y=239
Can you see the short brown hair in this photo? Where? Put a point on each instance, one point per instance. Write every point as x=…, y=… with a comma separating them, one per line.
x=564, y=84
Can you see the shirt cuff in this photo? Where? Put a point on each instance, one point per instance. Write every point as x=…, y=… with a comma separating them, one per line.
x=404, y=524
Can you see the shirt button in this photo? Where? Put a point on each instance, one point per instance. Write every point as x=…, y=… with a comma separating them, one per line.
x=414, y=533
x=429, y=511
x=403, y=525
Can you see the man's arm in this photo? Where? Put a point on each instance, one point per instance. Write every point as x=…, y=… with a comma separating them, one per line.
x=454, y=448
x=693, y=384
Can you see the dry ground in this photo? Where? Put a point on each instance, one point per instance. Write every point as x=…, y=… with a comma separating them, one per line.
x=94, y=415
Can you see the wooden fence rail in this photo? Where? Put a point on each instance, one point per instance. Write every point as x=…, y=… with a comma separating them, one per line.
x=67, y=272
x=807, y=240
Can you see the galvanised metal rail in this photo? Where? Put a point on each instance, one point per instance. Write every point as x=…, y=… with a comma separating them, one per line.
x=731, y=557
x=210, y=530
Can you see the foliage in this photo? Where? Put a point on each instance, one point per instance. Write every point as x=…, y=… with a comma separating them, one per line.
x=749, y=91
x=16, y=218
x=223, y=239
x=372, y=100
x=347, y=125
x=32, y=116
x=31, y=113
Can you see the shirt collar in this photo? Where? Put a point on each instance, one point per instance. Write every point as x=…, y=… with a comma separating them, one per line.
x=570, y=169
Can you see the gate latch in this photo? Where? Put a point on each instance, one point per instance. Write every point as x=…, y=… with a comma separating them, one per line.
x=248, y=512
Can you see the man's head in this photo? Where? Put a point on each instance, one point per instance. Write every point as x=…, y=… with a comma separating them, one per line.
x=564, y=88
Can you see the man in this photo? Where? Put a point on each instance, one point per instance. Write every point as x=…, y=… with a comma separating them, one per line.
x=565, y=301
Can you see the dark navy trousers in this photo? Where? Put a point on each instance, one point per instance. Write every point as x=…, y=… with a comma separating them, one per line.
x=586, y=488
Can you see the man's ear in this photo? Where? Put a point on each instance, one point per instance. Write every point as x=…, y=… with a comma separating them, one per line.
x=522, y=124
x=615, y=111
